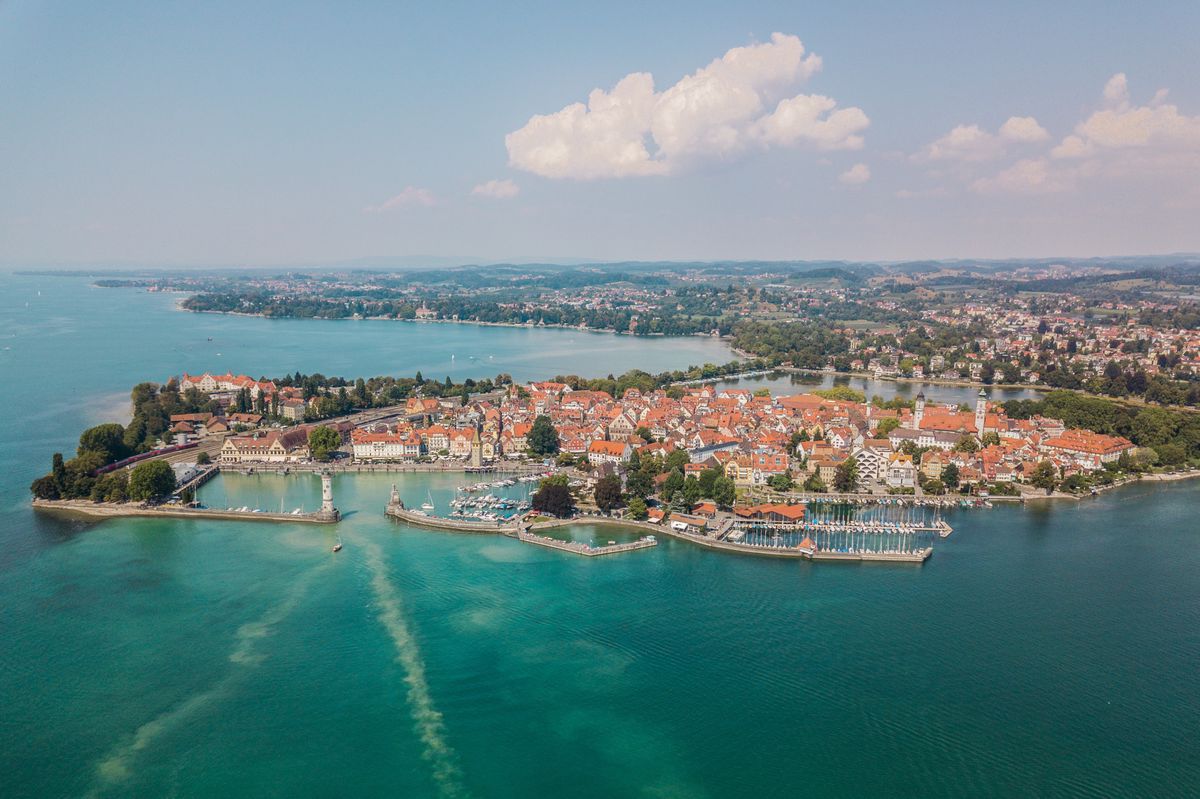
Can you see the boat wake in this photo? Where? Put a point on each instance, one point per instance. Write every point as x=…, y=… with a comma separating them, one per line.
x=426, y=718
x=117, y=766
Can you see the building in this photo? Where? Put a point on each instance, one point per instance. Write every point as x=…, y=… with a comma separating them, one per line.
x=601, y=451
x=901, y=473
x=1087, y=449
x=276, y=446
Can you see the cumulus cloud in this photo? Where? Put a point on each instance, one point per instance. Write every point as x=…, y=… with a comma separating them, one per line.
x=1121, y=140
x=856, y=175
x=1121, y=125
x=408, y=197
x=973, y=143
x=1023, y=129
x=1027, y=176
x=738, y=102
x=497, y=189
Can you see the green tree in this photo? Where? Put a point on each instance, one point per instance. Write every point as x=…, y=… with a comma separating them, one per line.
x=885, y=426
x=707, y=478
x=724, y=492
x=644, y=433
x=151, y=481
x=58, y=472
x=677, y=460
x=672, y=484
x=967, y=443
x=845, y=477
x=990, y=439
x=112, y=487
x=542, y=438
x=322, y=441
x=637, y=509
x=608, y=493
x=554, y=499
x=950, y=475
x=106, y=439
x=780, y=482
x=1043, y=476
x=639, y=484
x=46, y=487
x=203, y=459
x=814, y=483
x=691, y=491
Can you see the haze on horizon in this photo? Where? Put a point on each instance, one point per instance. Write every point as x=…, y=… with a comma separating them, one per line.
x=219, y=134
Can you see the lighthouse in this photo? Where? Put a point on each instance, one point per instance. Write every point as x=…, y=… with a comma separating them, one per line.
x=327, y=511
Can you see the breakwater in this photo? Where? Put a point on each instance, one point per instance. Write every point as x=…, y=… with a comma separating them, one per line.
x=110, y=510
x=587, y=550
x=400, y=513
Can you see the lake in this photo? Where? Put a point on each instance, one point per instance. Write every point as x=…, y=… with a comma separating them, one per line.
x=1045, y=651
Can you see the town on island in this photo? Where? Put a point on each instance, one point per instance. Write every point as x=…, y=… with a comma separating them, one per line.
x=823, y=475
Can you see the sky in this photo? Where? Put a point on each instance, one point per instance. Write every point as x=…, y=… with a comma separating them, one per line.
x=306, y=133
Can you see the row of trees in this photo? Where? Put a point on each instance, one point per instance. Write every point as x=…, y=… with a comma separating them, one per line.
x=148, y=481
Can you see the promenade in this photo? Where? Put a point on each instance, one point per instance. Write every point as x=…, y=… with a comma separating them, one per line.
x=110, y=510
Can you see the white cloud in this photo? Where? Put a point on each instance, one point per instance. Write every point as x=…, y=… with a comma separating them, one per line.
x=1116, y=91
x=1027, y=176
x=1119, y=141
x=973, y=143
x=1157, y=125
x=1023, y=129
x=856, y=175
x=408, y=197
x=497, y=189
x=738, y=102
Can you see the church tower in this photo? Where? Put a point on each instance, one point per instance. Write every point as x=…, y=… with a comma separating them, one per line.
x=476, y=450
x=980, y=412
x=919, y=411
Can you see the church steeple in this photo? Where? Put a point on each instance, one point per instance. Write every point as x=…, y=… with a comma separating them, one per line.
x=980, y=412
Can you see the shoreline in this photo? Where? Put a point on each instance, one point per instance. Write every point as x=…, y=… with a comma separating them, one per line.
x=514, y=325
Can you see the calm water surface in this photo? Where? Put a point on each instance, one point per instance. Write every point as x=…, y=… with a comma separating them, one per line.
x=1047, y=652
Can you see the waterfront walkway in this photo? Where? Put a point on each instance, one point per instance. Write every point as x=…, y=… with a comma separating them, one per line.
x=109, y=510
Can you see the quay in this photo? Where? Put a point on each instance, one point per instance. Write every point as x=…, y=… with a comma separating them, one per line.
x=717, y=541
x=585, y=549
x=109, y=510
x=328, y=514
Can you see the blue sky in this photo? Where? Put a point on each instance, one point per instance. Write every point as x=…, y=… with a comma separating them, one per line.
x=214, y=133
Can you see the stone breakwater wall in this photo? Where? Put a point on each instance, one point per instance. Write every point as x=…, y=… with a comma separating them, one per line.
x=110, y=510
x=453, y=525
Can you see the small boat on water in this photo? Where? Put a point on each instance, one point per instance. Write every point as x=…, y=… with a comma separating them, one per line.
x=428, y=503
x=338, y=546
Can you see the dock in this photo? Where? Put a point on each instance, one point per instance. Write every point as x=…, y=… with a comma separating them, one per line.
x=587, y=550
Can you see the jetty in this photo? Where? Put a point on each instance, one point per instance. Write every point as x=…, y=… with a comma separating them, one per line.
x=111, y=510
x=587, y=550
x=396, y=510
x=328, y=514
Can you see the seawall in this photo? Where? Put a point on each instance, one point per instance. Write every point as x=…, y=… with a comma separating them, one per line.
x=127, y=509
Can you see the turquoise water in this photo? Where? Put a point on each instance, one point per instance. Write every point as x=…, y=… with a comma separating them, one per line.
x=1049, y=651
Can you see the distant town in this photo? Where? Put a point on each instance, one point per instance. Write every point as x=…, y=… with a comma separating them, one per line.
x=1118, y=329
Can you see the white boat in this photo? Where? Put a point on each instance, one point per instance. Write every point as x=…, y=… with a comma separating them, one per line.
x=428, y=503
